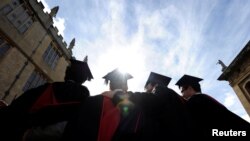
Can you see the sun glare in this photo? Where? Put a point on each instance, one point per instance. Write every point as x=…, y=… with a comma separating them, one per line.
x=130, y=60
x=126, y=60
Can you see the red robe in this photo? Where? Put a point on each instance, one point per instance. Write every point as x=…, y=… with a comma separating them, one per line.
x=100, y=120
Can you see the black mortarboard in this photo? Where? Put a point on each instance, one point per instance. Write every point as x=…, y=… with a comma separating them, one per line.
x=117, y=75
x=158, y=79
x=78, y=71
x=188, y=80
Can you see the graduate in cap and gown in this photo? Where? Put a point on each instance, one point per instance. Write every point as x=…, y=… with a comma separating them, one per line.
x=173, y=115
x=164, y=114
x=206, y=112
x=102, y=118
x=162, y=111
x=48, y=104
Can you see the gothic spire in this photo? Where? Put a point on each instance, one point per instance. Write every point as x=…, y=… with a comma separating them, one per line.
x=54, y=11
x=71, y=45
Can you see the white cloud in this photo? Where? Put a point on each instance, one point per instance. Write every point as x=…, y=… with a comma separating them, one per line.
x=229, y=100
x=113, y=27
x=153, y=25
x=46, y=6
x=60, y=24
x=113, y=49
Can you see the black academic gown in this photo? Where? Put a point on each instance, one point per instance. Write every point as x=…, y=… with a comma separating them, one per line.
x=165, y=114
x=209, y=114
x=87, y=124
x=174, y=117
x=147, y=107
x=18, y=117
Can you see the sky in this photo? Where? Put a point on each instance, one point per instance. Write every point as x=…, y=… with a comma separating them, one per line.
x=170, y=37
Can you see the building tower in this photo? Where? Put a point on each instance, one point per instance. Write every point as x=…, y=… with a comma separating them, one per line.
x=31, y=51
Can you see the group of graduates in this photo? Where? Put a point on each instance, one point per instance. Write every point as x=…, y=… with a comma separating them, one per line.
x=65, y=111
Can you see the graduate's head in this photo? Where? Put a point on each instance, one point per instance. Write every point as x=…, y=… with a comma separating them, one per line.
x=117, y=80
x=189, y=85
x=78, y=71
x=156, y=79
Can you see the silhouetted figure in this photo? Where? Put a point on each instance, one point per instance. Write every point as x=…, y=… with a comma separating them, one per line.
x=101, y=118
x=163, y=111
x=208, y=114
x=46, y=105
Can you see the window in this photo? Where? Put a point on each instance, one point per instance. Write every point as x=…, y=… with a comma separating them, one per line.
x=51, y=56
x=4, y=47
x=21, y=20
x=36, y=79
x=25, y=26
x=17, y=14
x=9, y=7
x=55, y=62
x=6, y=9
x=15, y=3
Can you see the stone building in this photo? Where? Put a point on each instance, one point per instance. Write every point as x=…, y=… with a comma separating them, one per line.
x=238, y=76
x=31, y=51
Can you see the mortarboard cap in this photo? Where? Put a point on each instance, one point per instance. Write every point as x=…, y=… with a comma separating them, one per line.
x=78, y=71
x=158, y=79
x=188, y=80
x=117, y=75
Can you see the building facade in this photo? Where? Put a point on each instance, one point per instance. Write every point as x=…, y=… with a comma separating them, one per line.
x=31, y=51
x=238, y=76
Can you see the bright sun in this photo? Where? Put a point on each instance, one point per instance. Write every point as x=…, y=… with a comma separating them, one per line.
x=127, y=60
